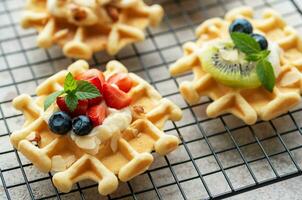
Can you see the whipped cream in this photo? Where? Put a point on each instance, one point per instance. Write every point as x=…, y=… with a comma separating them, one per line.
x=115, y=122
x=113, y=125
x=274, y=56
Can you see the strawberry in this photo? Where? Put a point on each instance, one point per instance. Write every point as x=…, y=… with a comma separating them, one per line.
x=95, y=101
x=115, y=97
x=96, y=78
x=122, y=80
x=80, y=110
x=97, y=114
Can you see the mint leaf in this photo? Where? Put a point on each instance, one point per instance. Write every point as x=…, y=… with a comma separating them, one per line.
x=265, y=54
x=86, y=90
x=266, y=74
x=74, y=90
x=70, y=84
x=248, y=45
x=257, y=56
x=71, y=101
x=253, y=57
x=245, y=43
x=51, y=98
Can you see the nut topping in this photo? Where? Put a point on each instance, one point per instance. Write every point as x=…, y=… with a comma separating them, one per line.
x=113, y=12
x=78, y=13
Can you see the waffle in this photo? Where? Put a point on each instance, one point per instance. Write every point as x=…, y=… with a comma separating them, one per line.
x=82, y=27
x=131, y=155
x=246, y=104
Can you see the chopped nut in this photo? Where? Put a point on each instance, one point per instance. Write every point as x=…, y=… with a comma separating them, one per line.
x=131, y=131
x=78, y=14
x=113, y=12
x=35, y=138
x=139, y=109
x=138, y=112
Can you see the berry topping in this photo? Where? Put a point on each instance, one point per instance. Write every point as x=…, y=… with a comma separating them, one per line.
x=241, y=25
x=74, y=92
x=115, y=97
x=258, y=57
x=94, y=76
x=95, y=101
x=97, y=114
x=81, y=125
x=261, y=40
x=122, y=80
x=60, y=123
x=80, y=109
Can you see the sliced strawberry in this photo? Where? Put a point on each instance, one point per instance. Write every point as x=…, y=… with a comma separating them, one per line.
x=80, y=110
x=122, y=80
x=96, y=82
x=95, y=101
x=94, y=76
x=97, y=114
x=115, y=97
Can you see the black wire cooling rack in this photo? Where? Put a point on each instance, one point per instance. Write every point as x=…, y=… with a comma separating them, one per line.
x=217, y=158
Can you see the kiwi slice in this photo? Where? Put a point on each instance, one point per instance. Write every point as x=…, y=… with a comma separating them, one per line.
x=228, y=65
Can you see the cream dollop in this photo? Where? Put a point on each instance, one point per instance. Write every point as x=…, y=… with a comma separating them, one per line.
x=274, y=56
x=113, y=125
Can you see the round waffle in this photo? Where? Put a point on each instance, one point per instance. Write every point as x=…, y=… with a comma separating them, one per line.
x=246, y=104
x=82, y=27
x=121, y=155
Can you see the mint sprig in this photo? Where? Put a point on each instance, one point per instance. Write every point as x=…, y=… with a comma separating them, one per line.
x=85, y=91
x=51, y=98
x=264, y=69
x=245, y=43
x=74, y=90
x=266, y=74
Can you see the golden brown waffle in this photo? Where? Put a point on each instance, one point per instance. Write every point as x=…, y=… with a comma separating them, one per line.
x=82, y=27
x=246, y=104
x=131, y=156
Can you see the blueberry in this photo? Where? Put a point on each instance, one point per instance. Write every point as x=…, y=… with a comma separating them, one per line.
x=261, y=40
x=81, y=125
x=241, y=25
x=59, y=123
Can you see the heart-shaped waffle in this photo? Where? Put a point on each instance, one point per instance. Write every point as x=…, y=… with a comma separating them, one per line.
x=83, y=27
x=246, y=104
x=124, y=153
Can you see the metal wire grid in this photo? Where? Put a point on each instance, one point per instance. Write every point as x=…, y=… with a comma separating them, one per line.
x=217, y=157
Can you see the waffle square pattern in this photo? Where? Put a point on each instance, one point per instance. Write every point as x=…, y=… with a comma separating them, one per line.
x=82, y=27
x=247, y=104
x=120, y=154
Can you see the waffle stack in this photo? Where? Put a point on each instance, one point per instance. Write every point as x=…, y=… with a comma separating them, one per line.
x=131, y=157
x=82, y=27
x=246, y=104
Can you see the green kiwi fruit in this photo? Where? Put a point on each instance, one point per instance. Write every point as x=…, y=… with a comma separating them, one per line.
x=228, y=65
